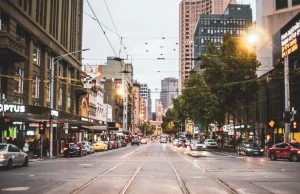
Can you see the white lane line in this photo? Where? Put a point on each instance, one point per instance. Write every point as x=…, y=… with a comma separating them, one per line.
x=133, y=151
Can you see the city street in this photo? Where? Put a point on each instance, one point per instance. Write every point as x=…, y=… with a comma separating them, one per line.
x=154, y=168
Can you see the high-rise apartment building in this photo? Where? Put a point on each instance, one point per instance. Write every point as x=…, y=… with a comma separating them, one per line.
x=212, y=27
x=189, y=12
x=169, y=90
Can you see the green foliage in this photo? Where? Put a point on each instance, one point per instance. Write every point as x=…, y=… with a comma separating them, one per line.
x=148, y=128
x=227, y=82
x=170, y=123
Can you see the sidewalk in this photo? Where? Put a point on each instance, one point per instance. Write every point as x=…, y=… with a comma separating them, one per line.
x=35, y=158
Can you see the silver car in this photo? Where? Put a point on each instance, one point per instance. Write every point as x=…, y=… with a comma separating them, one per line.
x=90, y=147
x=11, y=155
x=197, y=145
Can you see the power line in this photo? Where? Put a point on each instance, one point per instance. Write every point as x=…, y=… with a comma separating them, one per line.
x=101, y=27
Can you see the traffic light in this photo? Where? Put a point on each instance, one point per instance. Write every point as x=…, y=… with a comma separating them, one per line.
x=5, y=122
x=293, y=126
x=41, y=128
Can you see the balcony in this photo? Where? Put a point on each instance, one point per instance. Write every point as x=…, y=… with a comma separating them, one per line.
x=10, y=47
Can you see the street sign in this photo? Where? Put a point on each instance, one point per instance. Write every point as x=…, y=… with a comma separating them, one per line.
x=271, y=123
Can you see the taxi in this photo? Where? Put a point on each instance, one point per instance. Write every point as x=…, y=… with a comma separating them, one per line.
x=285, y=150
x=100, y=146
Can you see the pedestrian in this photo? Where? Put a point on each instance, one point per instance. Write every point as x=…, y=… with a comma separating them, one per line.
x=26, y=147
x=10, y=140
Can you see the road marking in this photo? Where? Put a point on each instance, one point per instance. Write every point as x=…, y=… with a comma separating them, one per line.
x=96, y=178
x=16, y=189
x=210, y=175
x=123, y=191
x=133, y=151
x=86, y=164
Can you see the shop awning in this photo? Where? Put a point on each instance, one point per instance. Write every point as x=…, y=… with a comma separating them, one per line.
x=95, y=128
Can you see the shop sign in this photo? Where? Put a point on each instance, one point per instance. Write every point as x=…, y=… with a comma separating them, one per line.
x=48, y=124
x=33, y=124
x=84, y=119
x=74, y=127
x=290, y=36
x=54, y=113
x=17, y=123
x=66, y=125
x=29, y=132
x=13, y=108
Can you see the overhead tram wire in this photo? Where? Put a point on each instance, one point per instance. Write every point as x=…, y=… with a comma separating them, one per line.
x=101, y=27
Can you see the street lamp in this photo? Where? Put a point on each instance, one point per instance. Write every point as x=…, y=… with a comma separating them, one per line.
x=53, y=62
x=253, y=39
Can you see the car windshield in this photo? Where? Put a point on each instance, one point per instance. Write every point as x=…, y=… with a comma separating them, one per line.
x=295, y=145
x=211, y=140
x=2, y=147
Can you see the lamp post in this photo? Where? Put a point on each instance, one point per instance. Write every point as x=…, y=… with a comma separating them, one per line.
x=254, y=39
x=53, y=62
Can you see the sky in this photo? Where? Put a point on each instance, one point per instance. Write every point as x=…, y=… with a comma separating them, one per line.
x=150, y=30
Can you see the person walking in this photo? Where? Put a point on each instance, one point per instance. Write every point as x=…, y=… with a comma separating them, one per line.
x=26, y=147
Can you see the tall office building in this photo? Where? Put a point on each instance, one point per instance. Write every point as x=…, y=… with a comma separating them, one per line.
x=147, y=96
x=149, y=105
x=212, y=27
x=189, y=13
x=169, y=90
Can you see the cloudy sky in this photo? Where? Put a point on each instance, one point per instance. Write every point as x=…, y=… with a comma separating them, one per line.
x=150, y=30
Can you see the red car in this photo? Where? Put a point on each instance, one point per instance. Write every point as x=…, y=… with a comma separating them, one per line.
x=290, y=151
x=114, y=144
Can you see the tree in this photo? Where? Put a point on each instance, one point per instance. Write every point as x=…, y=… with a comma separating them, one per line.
x=171, y=124
x=147, y=128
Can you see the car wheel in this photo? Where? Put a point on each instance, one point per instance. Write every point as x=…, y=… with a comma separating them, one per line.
x=9, y=164
x=25, y=162
x=294, y=158
x=272, y=156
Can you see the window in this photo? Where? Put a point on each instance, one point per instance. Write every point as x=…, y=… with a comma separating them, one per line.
x=295, y=2
x=69, y=99
x=61, y=70
x=50, y=62
x=19, y=85
x=36, y=87
x=282, y=145
x=280, y=4
x=36, y=55
x=48, y=90
x=60, y=96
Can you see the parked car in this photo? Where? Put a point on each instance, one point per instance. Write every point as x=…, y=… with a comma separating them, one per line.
x=124, y=143
x=290, y=151
x=84, y=148
x=109, y=145
x=197, y=145
x=144, y=141
x=175, y=142
x=114, y=144
x=72, y=149
x=119, y=144
x=11, y=155
x=187, y=143
x=250, y=149
x=210, y=143
x=135, y=141
x=180, y=143
x=100, y=146
x=90, y=147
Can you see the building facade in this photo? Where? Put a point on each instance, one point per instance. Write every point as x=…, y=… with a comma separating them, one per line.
x=212, y=27
x=169, y=90
x=189, y=12
x=32, y=33
x=147, y=96
x=143, y=111
x=272, y=16
x=136, y=107
x=149, y=105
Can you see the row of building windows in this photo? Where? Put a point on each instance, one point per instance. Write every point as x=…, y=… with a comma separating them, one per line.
x=281, y=4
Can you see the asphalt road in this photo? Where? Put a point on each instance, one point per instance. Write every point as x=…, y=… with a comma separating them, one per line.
x=153, y=169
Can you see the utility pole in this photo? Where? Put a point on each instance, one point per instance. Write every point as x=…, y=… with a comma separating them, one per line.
x=287, y=97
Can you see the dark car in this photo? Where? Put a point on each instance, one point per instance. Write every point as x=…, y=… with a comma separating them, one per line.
x=250, y=149
x=180, y=143
x=109, y=145
x=114, y=144
x=135, y=141
x=72, y=149
x=290, y=151
x=124, y=143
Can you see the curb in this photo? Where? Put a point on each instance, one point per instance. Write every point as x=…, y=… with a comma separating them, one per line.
x=197, y=155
